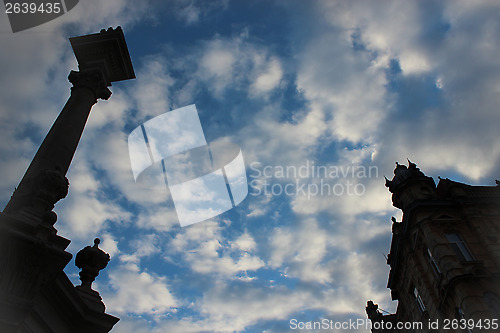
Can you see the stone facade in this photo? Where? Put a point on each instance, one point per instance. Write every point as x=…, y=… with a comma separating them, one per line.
x=444, y=257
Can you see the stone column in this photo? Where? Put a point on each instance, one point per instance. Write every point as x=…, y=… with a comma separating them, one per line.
x=32, y=255
x=31, y=252
x=44, y=183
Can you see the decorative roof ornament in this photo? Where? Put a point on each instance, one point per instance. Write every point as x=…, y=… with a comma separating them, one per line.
x=91, y=260
x=403, y=173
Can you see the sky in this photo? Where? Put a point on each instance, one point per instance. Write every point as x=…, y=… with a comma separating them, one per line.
x=322, y=98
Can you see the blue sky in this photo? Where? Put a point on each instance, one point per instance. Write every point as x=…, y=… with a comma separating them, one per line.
x=340, y=85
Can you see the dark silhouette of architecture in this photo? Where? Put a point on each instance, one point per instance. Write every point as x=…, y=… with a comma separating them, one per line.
x=35, y=293
x=444, y=257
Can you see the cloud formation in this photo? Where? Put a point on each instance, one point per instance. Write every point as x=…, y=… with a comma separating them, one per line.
x=337, y=83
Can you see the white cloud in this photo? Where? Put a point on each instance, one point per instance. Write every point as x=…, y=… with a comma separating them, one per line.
x=94, y=13
x=190, y=13
x=195, y=12
x=219, y=60
x=107, y=150
x=83, y=211
x=350, y=90
x=222, y=305
x=151, y=92
x=302, y=250
x=206, y=260
x=237, y=63
x=112, y=112
x=146, y=245
x=258, y=207
x=203, y=247
x=269, y=78
x=159, y=217
x=245, y=242
x=344, y=197
x=138, y=292
x=389, y=27
x=109, y=244
x=272, y=142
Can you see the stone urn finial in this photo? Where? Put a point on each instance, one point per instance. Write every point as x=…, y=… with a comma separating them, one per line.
x=91, y=260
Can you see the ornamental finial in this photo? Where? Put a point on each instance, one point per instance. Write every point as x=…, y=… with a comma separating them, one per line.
x=91, y=260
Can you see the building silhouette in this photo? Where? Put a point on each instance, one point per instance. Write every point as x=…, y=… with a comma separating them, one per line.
x=36, y=296
x=444, y=256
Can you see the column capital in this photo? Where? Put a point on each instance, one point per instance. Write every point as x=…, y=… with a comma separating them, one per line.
x=92, y=79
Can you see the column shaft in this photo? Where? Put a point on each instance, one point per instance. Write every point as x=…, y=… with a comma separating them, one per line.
x=44, y=183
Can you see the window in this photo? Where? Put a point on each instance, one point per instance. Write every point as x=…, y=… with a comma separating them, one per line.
x=433, y=263
x=459, y=246
x=420, y=303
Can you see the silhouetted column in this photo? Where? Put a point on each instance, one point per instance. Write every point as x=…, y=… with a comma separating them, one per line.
x=102, y=58
x=44, y=183
x=32, y=255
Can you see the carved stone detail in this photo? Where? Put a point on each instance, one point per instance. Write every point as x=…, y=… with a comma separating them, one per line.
x=402, y=173
x=91, y=260
x=41, y=192
x=92, y=79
